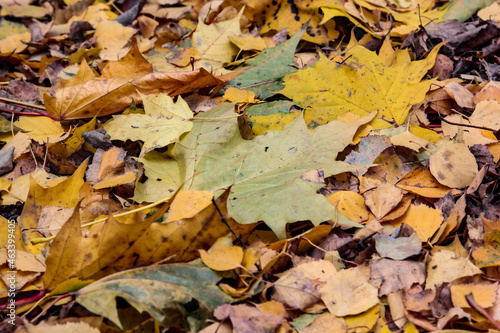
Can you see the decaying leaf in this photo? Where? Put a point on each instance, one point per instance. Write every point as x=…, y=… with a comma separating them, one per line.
x=153, y=289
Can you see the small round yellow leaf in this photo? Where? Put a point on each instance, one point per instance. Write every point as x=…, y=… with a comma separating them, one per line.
x=223, y=258
x=454, y=166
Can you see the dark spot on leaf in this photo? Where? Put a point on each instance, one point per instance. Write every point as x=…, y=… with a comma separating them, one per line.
x=447, y=154
x=449, y=166
x=275, y=14
x=441, y=176
x=266, y=148
x=158, y=179
x=434, y=267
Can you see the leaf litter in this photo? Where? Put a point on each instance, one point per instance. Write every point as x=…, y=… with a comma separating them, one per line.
x=254, y=166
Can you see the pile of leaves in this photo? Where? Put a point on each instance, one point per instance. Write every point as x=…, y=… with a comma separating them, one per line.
x=250, y=166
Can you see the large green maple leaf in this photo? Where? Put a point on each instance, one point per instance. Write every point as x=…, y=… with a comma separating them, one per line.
x=264, y=173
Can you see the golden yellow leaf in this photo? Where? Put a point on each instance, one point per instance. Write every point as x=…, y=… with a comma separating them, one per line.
x=424, y=220
x=222, y=258
x=368, y=319
x=42, y=129
x=362, y=85
x=484, y=294
x=454, y=165
x=21, y=143
x=76, y=141
x=133, y=64
x=189, y=203
x=424, y=133
x=64, y=194
x=350, y=204
x=279, y=15
x=182, y=239
x=240, y=96
x=4, y=184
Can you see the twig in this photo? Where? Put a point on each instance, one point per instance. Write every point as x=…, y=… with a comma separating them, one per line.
x=227, y=224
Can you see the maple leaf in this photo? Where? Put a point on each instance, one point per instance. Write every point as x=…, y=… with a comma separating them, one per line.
x=264, y=172
x=164, y=122
x=363, y=83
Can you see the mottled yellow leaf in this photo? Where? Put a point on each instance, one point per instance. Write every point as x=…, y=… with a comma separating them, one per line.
x=454, y=165
x=362, y=84
x=420, y=181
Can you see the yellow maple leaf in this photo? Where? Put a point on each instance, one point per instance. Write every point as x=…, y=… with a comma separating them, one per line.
x=362, y=84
